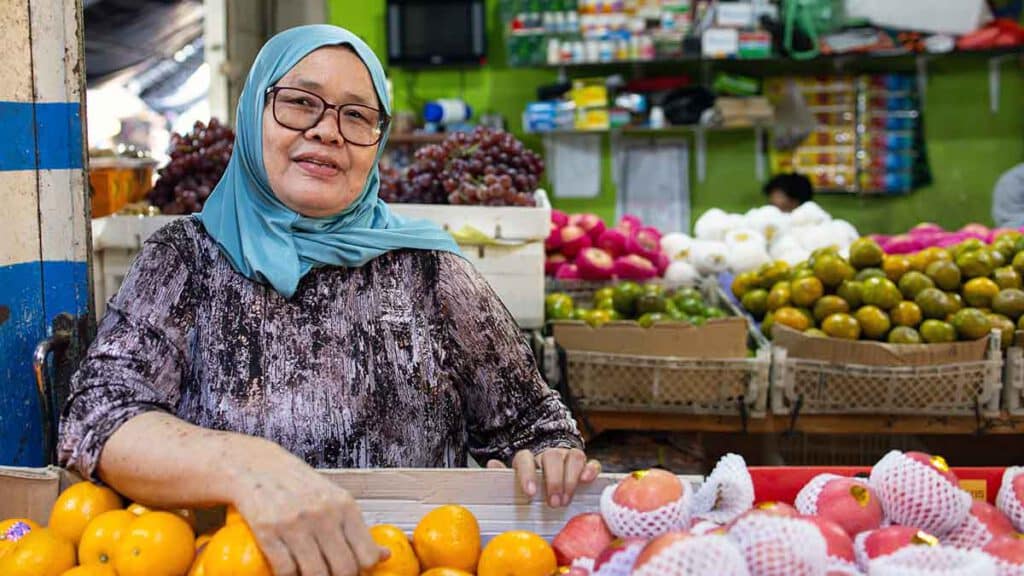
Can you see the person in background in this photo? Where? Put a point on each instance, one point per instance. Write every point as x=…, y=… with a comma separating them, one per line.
x=1008, y=199
x=787, y=191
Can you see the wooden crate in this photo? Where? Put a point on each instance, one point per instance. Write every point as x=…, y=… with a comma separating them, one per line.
x=392, y=496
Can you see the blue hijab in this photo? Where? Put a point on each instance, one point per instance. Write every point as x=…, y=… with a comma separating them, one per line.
x=265, y=240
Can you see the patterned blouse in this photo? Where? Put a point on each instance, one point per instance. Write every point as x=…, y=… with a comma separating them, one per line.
x=408, y=361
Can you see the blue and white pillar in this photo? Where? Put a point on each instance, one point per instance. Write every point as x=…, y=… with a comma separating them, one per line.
x=44, y=237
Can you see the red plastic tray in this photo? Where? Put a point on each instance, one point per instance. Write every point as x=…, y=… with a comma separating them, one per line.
x=783, y=483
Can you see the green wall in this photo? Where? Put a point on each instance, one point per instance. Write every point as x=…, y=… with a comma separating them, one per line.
x=968, y=146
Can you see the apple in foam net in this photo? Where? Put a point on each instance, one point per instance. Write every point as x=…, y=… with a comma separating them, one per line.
x=1008, y=548
x=1018, y=487
x=567, y=271
x=836, y=539
x=645, y=242
x=559, y=218
x=937, y=463
x=613, y=240
x=574, y=239
x=553, y=262
x=885, y=541
x=554, y=240
x=595, y=264
x=656, y=546
x=850, y=504
x=628, y=548
x=647, y=490
x=590, y=223
x=635, y=267
x=991, y=518
x=584, y=536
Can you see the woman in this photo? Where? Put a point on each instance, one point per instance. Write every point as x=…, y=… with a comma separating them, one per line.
x=296, y=323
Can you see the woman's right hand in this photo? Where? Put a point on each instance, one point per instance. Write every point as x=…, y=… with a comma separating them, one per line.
x=303, y=522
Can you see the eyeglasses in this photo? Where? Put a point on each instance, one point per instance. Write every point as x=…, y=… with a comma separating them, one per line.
x=298, y=109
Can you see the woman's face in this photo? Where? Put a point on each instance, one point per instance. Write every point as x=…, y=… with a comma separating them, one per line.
x=316, y=172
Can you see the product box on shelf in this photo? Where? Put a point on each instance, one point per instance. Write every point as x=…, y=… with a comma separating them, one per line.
x=670, y=367
x=835, y=376
x=386, y=496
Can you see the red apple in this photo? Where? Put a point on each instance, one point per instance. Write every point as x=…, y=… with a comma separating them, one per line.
x=1018, y=487
x=591, y=224
x=629, y=222
x=937, y=463
x=595, y=264
x=621, y=552
x=584, y=536
x=559, y=218
x=1007, y=548
x=654, y=547
x=553, y=262
x=983, y=523
x=769, y=507
x=851, y=504
x=885, y=541
x=647, y=490
x=574, y=239
x=613, y=241
x=662, y=263
x=634, y=267
x=645, y=242
x=554, y=239
x=567, y=272
x=838, y=541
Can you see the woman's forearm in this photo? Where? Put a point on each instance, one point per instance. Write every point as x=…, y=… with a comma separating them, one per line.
x=161, y=461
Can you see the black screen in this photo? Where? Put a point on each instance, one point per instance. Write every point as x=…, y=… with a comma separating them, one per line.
x=434, y=32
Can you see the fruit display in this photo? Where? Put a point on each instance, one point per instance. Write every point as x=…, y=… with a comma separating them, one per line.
x=198, y=160
x=929, y=235
x=647, y=304
x=744, y=242
x=583, y=247
x=909, y=512
x=484, y=167
x=937, y=295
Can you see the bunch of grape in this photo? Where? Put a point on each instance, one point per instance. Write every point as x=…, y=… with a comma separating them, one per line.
x=198, y=160
x=483, y=167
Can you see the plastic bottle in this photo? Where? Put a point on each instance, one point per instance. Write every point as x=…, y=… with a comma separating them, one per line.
x=447, y=111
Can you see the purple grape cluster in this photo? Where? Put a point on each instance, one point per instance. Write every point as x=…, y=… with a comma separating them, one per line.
x=482, y=167
x=198, y=160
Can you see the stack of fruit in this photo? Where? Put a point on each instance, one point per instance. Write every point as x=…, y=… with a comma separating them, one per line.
x=582, y=247
x=936, y=295
x=929, y=235
x=648, y=304
x=910, y=514
x=198, y=160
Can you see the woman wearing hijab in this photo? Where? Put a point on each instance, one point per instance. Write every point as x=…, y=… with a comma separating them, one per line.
x=297, y=324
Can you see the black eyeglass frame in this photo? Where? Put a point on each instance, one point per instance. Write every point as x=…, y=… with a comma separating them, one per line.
x=382, y=123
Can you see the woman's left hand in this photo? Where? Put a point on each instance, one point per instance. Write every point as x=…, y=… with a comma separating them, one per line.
x=564, y=469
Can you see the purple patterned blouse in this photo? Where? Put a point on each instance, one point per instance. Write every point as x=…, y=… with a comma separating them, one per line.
x=408, y=361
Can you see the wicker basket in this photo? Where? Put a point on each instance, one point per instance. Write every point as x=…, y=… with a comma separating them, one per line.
x=933, y=390
x=599, y=381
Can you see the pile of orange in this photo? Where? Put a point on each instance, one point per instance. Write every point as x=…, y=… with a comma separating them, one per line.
x=91, y=533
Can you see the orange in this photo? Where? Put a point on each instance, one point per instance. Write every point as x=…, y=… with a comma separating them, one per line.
x=233, y=516
x=186, y=514
x=41, y=552
x=94, y=570
x=101, y=536
x=233, y=551
x=403, y=561
x=517, y=553
x=906, y=313
x=77, y=506
x=12, y=530
x=446, y=572
x=203, y=540
x=793, y=318
x=155, y=544
x=841, y=326
x=449, y=537
x=896, y=266
x=806, y=291
x=979, y=292
x=137, y=509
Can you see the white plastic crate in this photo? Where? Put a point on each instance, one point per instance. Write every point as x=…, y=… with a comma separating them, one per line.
x=1013, y=380
x=958, y=389
x=499, y=222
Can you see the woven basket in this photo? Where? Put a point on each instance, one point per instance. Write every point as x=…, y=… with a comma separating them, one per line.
x=934, y=390
x=601, y=381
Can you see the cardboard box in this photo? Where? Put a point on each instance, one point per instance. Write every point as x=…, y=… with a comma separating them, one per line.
x=393, y=496
x=837, y=351
x=722, y=338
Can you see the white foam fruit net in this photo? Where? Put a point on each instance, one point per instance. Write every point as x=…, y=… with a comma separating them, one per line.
x=840, y=567
x=1007, y=501
x=726, y=493
x=972, y=533
x=1004, y=568
x=933, y=561
x=584, y=563
x=807, y=499
x=779, y=546
x=621, y=564
x=702, y=527
x=860, y=551
x=697, y=556
x=915, y=494
x=624, y=521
